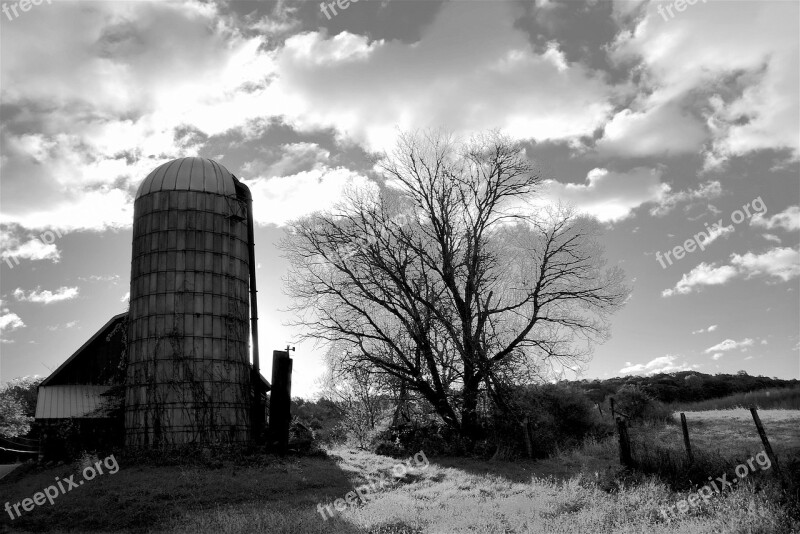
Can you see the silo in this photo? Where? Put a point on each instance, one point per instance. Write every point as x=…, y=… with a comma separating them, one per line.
x=188, y=377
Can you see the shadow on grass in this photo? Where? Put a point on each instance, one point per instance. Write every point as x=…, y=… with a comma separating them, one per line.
x=280, y=492
x=521, y=470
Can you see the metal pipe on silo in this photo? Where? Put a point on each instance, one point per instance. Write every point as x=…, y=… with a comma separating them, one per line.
x=257, y=412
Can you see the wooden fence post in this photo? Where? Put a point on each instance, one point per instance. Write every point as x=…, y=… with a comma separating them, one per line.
x=765, y=441
x=624, y=443
x=686, y=438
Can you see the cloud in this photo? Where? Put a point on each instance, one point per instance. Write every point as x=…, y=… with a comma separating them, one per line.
x=669, y=201
x=293, y=158
x=663, y=364
x=87, y=140
x=609, y=196
x=657, y=130
x=702, y=330
x=284, y=198
x=15, y=248
x=716, y=232
x=46, y=296
x=702, y=275
x=729, y=344
x=717, y=356
x=746, y=89
x=9, y=321
x=788, y=219
x=365, y=89
x=772, y=237
x=79, y=140
x=66, y=326
x=782, y=263
x=126, y=297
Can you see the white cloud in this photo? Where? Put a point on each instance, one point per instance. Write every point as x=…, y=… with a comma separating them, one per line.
x=194, y=75
x=65, y=326
x=702, y=330
x=782, y=263
x=288, y=197
x=609, y=196
x=9, y=321
x=660, y=129
x=294, y=158
x=197, y=74
x=366, y=89
x=669, y=201
x=717, y=356
x=15, y=248
x=702, y=275
x=126, y=297
x=746, y=87
x=788, y=219
x=46, y=296
x=716, y=232
x=729, y=344
x=772, y=237
x=662, y=364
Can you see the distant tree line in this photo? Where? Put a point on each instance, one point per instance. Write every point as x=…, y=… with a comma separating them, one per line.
x=682, y=386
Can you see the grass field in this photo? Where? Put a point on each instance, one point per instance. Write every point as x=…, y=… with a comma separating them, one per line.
x=732, y=433
x=455, y=495
x=764, y=399
x=576, y=491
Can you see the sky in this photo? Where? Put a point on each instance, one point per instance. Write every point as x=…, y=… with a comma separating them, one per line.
x=678, y=129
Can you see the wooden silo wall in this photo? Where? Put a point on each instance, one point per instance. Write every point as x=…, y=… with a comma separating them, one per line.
x=188, y=365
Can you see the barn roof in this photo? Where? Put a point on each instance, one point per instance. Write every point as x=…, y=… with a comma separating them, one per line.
x=103, y=331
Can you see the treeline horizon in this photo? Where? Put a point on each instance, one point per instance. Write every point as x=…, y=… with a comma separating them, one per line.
x=682, y=386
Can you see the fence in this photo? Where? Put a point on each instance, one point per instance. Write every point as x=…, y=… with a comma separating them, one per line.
x=625, y=450
x=17, y=448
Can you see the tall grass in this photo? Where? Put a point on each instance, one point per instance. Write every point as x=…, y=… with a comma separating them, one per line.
x=765, y=399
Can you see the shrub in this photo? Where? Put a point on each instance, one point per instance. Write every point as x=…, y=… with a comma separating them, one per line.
x=560, y=417
x=639, y=406
x=434, y=438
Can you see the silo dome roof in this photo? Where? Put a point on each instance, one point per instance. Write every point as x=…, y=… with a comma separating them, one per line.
x=189, y=174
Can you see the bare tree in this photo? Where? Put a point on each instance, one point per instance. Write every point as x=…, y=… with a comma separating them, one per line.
x=359, y=388
x=450, y=278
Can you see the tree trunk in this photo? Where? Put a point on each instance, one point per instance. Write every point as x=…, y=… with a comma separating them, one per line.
x=470, y=427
